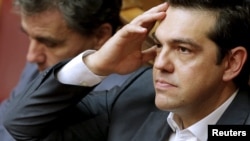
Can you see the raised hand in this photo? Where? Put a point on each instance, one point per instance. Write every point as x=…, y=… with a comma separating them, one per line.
x=122, y=53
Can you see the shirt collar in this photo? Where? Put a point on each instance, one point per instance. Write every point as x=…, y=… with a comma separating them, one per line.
x=199, y=128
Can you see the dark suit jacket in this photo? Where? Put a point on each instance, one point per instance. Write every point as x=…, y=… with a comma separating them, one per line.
x=51, y=111
x=29, y=73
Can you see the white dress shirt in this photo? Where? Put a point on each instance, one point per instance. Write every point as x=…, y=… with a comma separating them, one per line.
x=76, y=72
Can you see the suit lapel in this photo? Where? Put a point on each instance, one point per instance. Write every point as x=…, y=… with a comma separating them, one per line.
x=155, y=128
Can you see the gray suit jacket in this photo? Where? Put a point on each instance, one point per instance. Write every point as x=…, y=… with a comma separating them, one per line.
x=51, y=111
x=29, y=73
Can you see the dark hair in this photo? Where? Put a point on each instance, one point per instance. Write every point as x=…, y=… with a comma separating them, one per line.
x=83, y=16
x=232, y=28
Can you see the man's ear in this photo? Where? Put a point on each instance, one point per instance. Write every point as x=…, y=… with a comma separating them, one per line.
x=235, y=61
x=102, y=34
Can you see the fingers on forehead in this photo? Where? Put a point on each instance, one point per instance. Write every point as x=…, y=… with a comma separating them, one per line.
x=159, y=8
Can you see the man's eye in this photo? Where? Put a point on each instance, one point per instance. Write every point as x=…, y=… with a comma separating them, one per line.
x=183, y=50
x=50, y=44
x=158, y=45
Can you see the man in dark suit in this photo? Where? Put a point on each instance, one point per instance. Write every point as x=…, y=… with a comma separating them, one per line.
x=199, y=78
x=60, y=30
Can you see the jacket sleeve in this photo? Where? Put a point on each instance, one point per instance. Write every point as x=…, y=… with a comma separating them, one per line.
x=29, y=73
x=46, y=110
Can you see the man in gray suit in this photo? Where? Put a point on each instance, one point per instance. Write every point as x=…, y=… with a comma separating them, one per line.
x=199, y=78
x=60, y=30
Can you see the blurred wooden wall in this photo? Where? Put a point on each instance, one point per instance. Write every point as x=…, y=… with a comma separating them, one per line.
x=13, y=48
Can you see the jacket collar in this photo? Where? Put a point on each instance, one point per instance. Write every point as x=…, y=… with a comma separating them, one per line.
x=155, y=128
x=238, y=111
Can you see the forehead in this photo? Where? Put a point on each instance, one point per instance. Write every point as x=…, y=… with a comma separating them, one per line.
x=186, y=23
x=44, y=23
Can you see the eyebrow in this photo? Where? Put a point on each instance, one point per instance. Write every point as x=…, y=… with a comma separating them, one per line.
x=179, y=41
x=185, y=41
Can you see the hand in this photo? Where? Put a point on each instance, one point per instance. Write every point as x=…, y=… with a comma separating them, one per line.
x=122, y=53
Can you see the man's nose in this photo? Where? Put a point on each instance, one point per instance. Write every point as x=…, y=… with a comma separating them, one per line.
x=163, y=61
x=36, y=52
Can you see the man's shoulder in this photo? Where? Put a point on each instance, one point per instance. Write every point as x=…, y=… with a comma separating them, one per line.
x=117, y=79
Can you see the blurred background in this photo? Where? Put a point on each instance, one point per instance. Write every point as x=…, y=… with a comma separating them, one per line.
x=13, y=48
